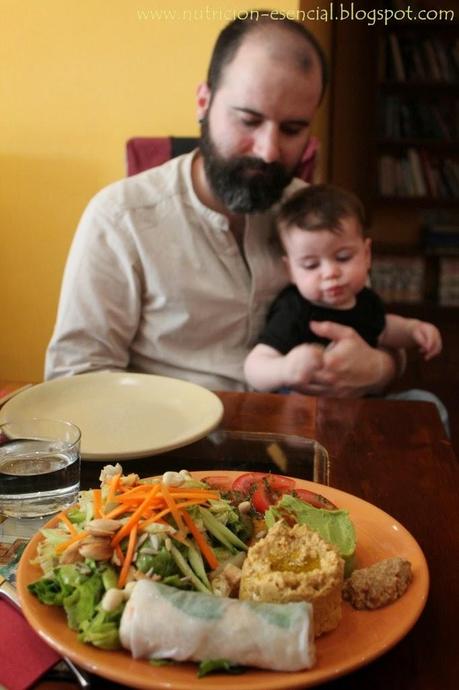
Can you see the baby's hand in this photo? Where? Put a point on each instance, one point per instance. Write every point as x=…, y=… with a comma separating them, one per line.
x=301, y=363
x=428, y=337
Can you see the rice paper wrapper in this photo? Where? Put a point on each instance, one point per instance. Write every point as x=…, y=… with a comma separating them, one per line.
x=161, y=622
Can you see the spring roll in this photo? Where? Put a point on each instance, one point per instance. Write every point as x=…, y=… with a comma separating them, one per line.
x=161, y=622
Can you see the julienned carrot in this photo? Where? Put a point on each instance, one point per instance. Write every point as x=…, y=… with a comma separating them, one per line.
x=173, y=508
x=76, y=537
x=119, y=510
x=142, y=490
x=155, y=518
x=114, y=483
x=135, y=517
x=192, y=494
x=200, y=540
x=97, y=502
x=128, y=557
x=190, y=502
x=135, y=491
x=209, y=493
x=120, y=554
x=71, y=528
x=116, y=512
x=133, y=500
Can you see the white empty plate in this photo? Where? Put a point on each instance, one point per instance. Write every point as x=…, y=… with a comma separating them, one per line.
x=122, y=415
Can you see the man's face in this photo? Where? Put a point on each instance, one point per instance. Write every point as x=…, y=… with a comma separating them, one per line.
x=245, y=184
x=256, y=126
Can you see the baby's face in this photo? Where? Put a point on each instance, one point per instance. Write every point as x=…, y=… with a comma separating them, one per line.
x=328, y=268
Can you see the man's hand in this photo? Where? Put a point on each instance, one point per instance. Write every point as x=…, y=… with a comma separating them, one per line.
x=300, y=364
x=351, y=368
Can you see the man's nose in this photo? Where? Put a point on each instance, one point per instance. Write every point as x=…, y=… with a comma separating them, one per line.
x=267, y=144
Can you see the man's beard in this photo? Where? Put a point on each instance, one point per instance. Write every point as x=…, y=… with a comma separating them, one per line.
x=244, y=184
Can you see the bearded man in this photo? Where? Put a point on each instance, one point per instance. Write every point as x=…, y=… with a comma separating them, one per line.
x=172, y=271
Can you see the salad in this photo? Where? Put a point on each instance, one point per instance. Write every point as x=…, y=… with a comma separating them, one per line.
x=175, y=530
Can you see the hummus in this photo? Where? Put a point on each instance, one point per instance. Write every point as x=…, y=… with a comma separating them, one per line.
x=295, y=564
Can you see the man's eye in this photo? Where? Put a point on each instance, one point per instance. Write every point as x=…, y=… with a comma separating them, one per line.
x=292, y=130
x=251, y=123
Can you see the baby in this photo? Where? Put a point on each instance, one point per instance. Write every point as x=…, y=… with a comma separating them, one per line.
x=321, y=229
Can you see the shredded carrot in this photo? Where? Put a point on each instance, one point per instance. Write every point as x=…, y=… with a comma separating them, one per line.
x=116, y=512
x=155, y=518
x=205, y=493
x=173, y=508
x=71, y=528
x=190, y=494
x=119, y=553
x=128, y=557
x=136, y=490
x=112, y=488
x=137, y=500
x=190, y=502
x=201, y=541
x=135, y=517
x=63, y=545
x=97, y=502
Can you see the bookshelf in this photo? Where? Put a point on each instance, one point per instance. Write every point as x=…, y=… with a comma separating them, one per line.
x=417, y=114
x=415, y=239
x=394, y=132
x=415, y=159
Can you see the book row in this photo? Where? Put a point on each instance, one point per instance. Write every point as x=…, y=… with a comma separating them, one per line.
x=418, y=174
x=403, y=117
x=409, y=58
x=403, y=279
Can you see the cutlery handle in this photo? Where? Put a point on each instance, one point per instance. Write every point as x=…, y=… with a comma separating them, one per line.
x=82, y=677
x=10, y=593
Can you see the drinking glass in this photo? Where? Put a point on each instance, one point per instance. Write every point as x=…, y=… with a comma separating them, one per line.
x=39, y=466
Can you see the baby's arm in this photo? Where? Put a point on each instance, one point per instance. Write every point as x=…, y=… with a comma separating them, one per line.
x=401, y=332
x=266, y=369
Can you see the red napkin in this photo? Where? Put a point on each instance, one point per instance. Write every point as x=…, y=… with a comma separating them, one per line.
x=24, y=657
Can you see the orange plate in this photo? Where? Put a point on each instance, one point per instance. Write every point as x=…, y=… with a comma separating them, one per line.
x=361, y=636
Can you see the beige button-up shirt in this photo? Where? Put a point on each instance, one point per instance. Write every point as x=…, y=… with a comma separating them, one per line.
x=155, y=283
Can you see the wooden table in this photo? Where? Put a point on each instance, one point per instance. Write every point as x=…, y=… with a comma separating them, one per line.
x=393, y=454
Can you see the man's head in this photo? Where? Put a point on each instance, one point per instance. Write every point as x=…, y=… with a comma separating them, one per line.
x=265, y=82
x=328, y=257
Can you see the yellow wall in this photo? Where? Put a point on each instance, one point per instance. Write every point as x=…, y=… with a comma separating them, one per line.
x=77, y=79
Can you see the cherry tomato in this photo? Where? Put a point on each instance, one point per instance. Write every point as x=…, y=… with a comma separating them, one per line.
x=269, y=489
x=315, y=500
x=245, y=481
x=261, y=498
x=221, y=482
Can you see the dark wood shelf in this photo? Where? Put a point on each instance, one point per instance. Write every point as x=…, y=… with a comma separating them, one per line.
x=420, y=86
x=427, y=309
x=448, y=145
x=419, y=27
x=386, y=248
x=417, y=202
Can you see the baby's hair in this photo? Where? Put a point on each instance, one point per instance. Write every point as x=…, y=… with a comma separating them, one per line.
x=320, y=207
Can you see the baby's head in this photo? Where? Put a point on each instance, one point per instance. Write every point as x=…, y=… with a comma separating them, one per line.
x=321, y=229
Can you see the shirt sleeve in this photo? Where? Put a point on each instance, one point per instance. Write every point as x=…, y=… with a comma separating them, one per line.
x=100, y=302
x=282, y=330
x=377, y=311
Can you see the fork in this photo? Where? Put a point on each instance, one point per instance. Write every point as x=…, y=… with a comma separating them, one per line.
x=8, y=591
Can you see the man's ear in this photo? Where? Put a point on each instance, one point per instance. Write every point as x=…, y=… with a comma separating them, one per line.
x=202, y=99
